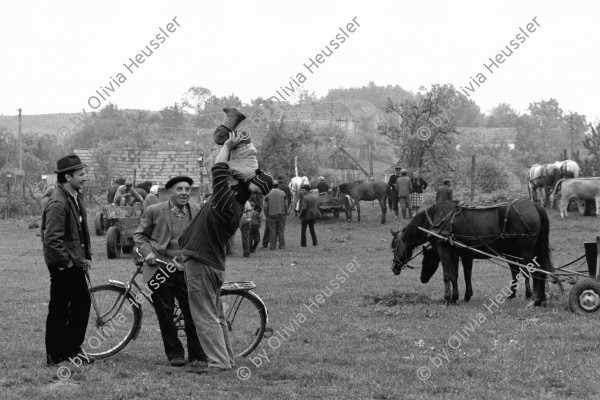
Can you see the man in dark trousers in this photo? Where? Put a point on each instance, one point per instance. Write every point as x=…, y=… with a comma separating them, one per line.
x=393, y=197
x=245, y=224
x=309, y=212
x=203, y=246
x=67, y=253
x=444, y=192
x=403, y=189
x=157, y=237
x=254, y=228
x=276, y=208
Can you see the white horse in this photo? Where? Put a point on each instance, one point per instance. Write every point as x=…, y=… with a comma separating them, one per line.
x=295, y=184
x=568, y=168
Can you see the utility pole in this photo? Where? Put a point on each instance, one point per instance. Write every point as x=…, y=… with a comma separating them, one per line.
x=20, y=141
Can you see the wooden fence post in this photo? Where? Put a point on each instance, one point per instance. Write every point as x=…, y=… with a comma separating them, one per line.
x=472, y=196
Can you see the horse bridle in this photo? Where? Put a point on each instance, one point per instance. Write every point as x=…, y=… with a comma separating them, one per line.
x=396, y=260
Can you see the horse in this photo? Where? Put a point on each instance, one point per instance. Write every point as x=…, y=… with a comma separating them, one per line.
x=366, y=191
x=295, y=184
x=516, y=231
x=431, y=262
x=544, y=177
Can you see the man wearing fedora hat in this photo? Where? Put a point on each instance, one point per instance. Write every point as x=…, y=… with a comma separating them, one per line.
x=67, y=253
x=157, y=237
x=203, y=246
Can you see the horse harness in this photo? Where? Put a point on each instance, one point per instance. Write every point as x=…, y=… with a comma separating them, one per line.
x=445, y=227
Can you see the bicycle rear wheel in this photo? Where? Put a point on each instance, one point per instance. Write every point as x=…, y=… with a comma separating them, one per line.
x=246, y=320
x=113, y=322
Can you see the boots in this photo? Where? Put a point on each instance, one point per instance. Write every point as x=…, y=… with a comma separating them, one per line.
x=233, y=117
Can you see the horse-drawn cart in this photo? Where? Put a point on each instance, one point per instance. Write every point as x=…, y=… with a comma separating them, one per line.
x=584, y=297
x=119, y=223
x=329, y=204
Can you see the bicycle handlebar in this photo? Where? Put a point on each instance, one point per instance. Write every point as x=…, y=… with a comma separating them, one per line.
x=175, y=263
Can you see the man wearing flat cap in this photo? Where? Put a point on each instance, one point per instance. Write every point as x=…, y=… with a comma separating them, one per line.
x=203, y=246
x=393, y=193
x=444, y=192
x=157, y=237
x=67, y=253
x=309, y=212
x=127, y=195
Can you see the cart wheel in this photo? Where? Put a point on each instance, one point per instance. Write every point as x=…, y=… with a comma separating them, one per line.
x=99, y=224
x=113, y=242
x=585, y=207
x=584, y=298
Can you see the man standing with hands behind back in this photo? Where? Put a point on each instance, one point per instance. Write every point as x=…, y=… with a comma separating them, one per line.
x=157, y=237
x=67, y=253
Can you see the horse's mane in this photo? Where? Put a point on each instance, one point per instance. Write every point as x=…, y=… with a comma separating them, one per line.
x=412, y=229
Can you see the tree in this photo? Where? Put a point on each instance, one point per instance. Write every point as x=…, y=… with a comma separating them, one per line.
x=285, y=141
x=591, y=143
x=502, y=116
x=423, y=137
x=490, y=175
x=172, y=117
x=194, y=99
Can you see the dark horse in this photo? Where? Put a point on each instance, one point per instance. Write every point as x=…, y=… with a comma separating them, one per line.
x=366, y=191
x=431, y=262
x=517, y=231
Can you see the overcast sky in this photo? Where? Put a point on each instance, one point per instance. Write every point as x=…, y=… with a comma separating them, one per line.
x=55, y=55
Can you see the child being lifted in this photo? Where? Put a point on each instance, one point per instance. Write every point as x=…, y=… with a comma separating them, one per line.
x=242, y=159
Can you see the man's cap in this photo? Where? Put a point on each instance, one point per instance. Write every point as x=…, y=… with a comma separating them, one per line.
x=128, y=182
x=321, y=178
x=275, y=182
x=447, y=180
x=69, y=163
x=403, y=171
x=173, y=181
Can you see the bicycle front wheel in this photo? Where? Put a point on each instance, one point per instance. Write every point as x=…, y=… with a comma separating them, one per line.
x=246, y=320
x=114, y=319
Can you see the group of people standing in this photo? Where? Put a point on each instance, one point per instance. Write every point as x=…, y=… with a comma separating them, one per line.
x=406, y=192
x=174, y=228
x=275, y=207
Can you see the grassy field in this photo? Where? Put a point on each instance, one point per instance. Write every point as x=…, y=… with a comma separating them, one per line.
x=372, y=336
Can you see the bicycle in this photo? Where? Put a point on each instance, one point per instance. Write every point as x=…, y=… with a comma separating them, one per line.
x=116, y=313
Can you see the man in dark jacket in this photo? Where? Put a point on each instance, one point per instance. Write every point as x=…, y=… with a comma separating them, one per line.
x=309, y=212
x=444, y=193
x=157, y=237
x=276, y=209
x=203, y=246
x=322, y=186
x=67, y=253
x=393, y=197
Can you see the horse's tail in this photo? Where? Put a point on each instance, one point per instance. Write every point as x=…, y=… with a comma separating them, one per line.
x=542, y=246
x=555, y=191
